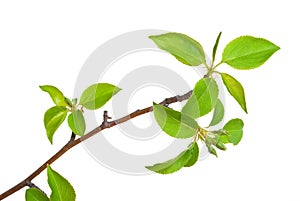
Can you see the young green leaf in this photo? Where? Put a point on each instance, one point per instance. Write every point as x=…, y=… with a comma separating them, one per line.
x=172, y=165
x=74, y=101
x=96, y=95
x=183, y=47
x=69, y=102
x=236, y=90
x=203, y=98
x=218, y=113
x=33, y=194
x=62, y=190
x=216, y=47
x=234, y=129
x=213, y=140
x=212, y=150
x=248, y=52
x=53, y=118
x=220, y=145
x=195, y=154
x=76, y=122
x=56, y=95
x=174, y=123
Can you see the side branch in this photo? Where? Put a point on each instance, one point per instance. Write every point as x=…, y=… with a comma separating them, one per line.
x=105, y=124
x=32, y=185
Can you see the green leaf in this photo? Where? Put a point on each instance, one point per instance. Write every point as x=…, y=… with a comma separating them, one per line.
x=96, y=95
x=56, y=95
x=183, y=47
x=62, y=190
x=74, y=101
x=218, y=113
x=236, y=90
x=203, y=98
x=69, y=102
x=33, y=194
x=234, y=129
x=195, y=154
x=220, y=145
x=174, y=123
x=172, y=165
x=212, y=150
x=53, y=118
x=76, y=122
x=248, y=52
x=216, y=47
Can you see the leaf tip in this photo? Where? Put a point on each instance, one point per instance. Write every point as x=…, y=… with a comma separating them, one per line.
x=244, y=107
x=152, y=169
x=152, y=37
x=117, y=89
x=42, y=87
x=50, y=140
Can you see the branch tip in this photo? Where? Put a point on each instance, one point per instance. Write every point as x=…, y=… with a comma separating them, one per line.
x=105, y=123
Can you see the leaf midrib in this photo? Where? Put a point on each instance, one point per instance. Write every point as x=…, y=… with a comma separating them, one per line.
x=246, y=55
x=171, y=116
x=59, y=116
x=56, y=187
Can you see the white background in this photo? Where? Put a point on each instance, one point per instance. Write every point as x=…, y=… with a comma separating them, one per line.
x=47, y=43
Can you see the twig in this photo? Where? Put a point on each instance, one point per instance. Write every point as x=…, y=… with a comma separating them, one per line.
x=73, y=136
x=32, y=185
x=105, y=119
x=105, y=124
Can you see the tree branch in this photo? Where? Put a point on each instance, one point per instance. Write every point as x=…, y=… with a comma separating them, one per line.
x=105, y=124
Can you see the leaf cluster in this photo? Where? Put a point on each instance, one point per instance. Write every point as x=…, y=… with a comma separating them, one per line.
x=92, y=98
x=242, y=53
